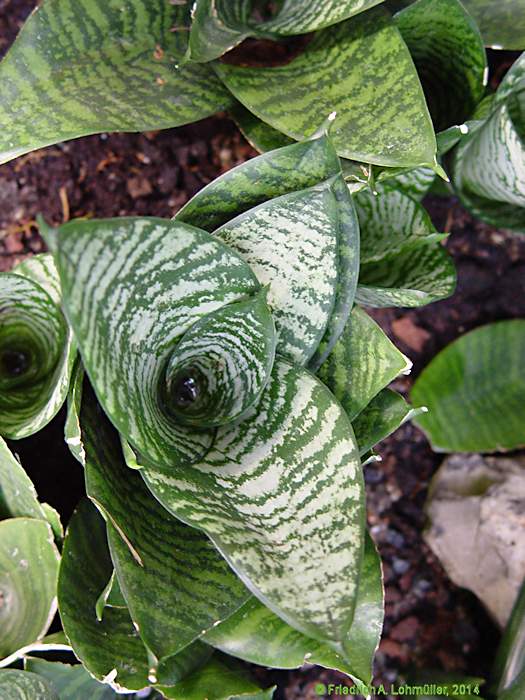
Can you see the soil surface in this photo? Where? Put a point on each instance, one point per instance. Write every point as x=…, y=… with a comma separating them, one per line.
x=429, y=622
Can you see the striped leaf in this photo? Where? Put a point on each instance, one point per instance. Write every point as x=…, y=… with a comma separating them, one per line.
x=415, y=182
x=17, y=494
x=362, y=363
x=217, y=681
x=260, y=135
x=219, y=25
x=291, y=244
x=380, y=418
x=389, y=222
x=448, y=52
x=28, y=578
x=132, y=287
x=475, y=391
x=173, y=580
x=111, y=648
x=21, y=685
x=256, y=635
x=418, y=275
x=277, y=494
x=287, y=169
x=36, y=348
x=71, y=682
x=87, y=66
x=361, y=68
x=502, y=23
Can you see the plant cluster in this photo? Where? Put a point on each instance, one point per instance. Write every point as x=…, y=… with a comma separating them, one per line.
x=224, y=384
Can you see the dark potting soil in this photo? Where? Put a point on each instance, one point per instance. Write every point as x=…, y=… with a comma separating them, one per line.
x=430, y=623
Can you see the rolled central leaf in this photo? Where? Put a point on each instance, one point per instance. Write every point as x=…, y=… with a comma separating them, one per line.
x=222, y=364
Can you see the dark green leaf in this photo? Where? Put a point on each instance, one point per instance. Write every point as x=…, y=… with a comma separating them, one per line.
x=502, y=23
x=260, y=135
x=361, y=69
x=71, y=682
x=383, y=415
x=278, y=493
x=475, y=391
x=362, y=363
x=256, y=635
x=28, y=578
x=87, y=66
x=449, y=56
x=418, y=275
x=18, y=497
x=21, y=685
x=510, y=658
x=132, y=287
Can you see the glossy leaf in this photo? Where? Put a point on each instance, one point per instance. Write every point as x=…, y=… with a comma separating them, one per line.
x=390, y=221
x=256, y=635
x=416, y=276
x=70, y=682
x=362, y=363
x=36, y=348
x=366, y=75
x=216, y=681
x=287, y=169
x=28, y=576
x=111, y=597
x=448, y=52
x=510, y=657
x=381, y=417
x=291, y=244
x=21, y=685
x=248, y=494
x=302, y=16
x=514, y=691
x=132, y=287
x=174, y=581
x=502, y=24
x=18, y=497
x=475, y=391
x=87, y=66
x=489, y=171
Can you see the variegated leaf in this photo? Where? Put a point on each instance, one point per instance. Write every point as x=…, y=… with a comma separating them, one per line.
x=111, y=648
x=415, y=182
x=259, y=135
x=36, y=348
x=489, y=165
x=417, y=275
x=28, y=578
x=362, y=363
x=361, y=68
x=502, y=23
x=291, y=244
x=132, y=287
x=87, y=66
x=21, y=685
x=287, y=169
x=278, y=493
x=173, y=580
x=72, y=682
x=256, y=635
x=389, y=222
x=448, y=52
x=381, y=417
x=17, y=494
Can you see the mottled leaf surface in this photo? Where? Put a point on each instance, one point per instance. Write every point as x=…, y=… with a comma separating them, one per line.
x=380, y=418
x=70, y=682
x=260, y=135
x=87, y=66
x=258, y=636
x=36, y=348
x=360, y=68
x=174, y=581
x=28, y=578
x=21, y=685
x=276, y=494
x=502, y=24
x=448, y=52
x=132, y=287
x=362, y=363
x=475, y=391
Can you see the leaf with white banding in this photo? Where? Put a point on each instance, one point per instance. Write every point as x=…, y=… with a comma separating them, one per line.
x=278, y=493
x=28, y=577
x=362, y=363
x=36, y=348
x=21, y=685
x=132, y=287
x=291, y=244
